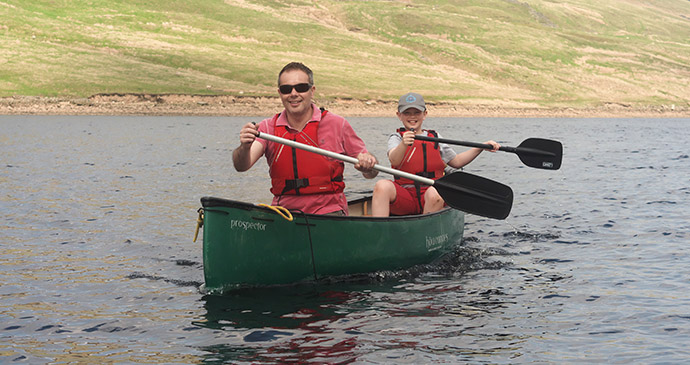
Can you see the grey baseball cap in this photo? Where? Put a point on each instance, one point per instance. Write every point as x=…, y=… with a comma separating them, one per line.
x=411, y=100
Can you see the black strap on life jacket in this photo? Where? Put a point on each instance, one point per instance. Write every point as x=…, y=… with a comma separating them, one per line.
x=425, y=172
x=297, y=183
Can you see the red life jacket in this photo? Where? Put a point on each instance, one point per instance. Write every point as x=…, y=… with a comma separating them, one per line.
x=297, y=172
x=422, y=158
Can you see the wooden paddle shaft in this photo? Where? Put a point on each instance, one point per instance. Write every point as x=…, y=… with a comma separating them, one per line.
x=342, y=157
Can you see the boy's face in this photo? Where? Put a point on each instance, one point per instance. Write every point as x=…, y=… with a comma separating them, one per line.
x=412, y=119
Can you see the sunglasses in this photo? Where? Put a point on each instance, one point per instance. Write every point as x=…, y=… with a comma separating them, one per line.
x=301, y=88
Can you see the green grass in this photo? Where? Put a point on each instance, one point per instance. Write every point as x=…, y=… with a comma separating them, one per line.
x=527, y=52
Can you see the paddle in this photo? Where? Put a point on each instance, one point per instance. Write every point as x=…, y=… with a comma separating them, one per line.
x=533, y=152
x=469, y=193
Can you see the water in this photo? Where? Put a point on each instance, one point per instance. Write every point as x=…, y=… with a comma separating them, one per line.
x=97, y=261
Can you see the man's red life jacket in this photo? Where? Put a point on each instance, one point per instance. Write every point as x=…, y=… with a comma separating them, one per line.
x=297, y=172
x=422, y=158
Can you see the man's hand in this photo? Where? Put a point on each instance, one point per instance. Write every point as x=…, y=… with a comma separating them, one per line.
x=366, y=165
x=248, y=134
x=242, y=157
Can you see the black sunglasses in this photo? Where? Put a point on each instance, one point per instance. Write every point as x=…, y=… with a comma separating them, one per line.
x=301, y=88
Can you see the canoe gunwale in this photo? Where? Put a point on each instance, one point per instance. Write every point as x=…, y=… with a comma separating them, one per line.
x=214, y=202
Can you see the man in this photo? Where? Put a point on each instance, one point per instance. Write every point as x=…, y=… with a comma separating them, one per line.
x=304, y=180
x=428, y=159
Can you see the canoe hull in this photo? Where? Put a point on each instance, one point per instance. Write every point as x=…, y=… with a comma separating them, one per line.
x=248, y=245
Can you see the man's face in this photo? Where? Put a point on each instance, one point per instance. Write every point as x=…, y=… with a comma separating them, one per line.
x=412, y=118
x=296, y=102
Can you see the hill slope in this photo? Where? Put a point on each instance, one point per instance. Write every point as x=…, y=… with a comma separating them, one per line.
x=543, y=53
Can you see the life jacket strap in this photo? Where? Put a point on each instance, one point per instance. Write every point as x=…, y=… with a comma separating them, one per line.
x=294, y=184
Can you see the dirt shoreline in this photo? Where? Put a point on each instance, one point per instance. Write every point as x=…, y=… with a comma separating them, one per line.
x=226, y=105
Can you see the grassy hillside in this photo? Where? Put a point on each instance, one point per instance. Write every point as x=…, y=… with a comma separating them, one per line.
x=504, y=52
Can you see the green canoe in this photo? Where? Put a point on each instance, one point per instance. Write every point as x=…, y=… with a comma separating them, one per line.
x=247, y=245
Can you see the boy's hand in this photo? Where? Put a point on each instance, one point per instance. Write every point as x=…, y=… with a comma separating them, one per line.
x=493, y=144
x=408, y=137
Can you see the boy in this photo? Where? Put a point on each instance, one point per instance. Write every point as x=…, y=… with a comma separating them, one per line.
x=427, y=159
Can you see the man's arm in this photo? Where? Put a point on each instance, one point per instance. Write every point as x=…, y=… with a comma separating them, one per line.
x=249, y=150
x=353, y=144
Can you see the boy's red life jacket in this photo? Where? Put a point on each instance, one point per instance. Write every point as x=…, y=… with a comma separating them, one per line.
x=298, y=172
x=422, y=158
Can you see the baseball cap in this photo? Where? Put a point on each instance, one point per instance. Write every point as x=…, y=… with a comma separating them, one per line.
x=411, y=100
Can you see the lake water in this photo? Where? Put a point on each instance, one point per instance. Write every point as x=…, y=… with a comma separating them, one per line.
x=97, y=260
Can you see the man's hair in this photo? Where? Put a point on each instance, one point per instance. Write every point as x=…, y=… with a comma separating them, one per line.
x=297, y=66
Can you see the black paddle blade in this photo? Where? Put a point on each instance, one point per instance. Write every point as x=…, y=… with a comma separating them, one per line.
x=475, y=194
x=540, y=153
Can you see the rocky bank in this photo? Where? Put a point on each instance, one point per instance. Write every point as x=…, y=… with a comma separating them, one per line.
x=226, y=105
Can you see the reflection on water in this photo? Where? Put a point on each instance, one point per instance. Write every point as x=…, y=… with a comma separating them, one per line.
x=98, y=264
x=309, y=323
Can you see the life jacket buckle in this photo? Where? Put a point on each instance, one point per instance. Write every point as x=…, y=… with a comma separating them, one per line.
x=294, y=184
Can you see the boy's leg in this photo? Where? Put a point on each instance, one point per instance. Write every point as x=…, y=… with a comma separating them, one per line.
x=391, y=198
x=384, y=195
x=432, y=200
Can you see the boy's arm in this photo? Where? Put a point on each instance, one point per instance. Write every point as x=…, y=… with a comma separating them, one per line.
x=396, y=155
x=462, y=159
